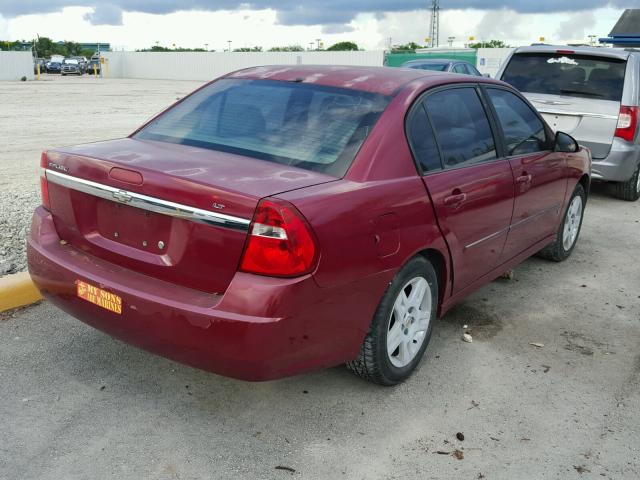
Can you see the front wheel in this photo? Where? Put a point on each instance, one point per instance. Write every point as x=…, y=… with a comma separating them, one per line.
x=629, y=190
x=569, y=229
x=401, y=327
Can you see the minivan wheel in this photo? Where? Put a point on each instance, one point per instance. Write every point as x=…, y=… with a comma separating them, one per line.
x=569, y=229
x=401, y=327
x=629, y=190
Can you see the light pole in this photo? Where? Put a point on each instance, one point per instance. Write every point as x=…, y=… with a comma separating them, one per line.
x=450, y=40
x=318, y=41
x=310, y=46
x=206, y=47
x=229, y=43
x=592, y=40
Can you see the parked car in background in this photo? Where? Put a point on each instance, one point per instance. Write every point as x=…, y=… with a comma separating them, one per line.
x=94, y=62
x=440, y=65
x=284, y=219
x=53, y=66
x=71, y=66
x=591, y=93
x=82, y=62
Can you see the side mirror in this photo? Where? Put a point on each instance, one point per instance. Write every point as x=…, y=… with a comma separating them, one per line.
x=566, y=143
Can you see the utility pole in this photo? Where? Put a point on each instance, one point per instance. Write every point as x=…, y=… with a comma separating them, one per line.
x=434, y=30
x=229, y=43
x=318, y=42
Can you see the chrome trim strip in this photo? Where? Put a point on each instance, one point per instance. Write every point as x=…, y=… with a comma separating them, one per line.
x=530, y=218
x=524, y=221
x=145, y=202
x=577, y=114
x=487, y=238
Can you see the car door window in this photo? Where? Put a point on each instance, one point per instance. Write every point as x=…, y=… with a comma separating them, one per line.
x=524, y=132
x=461, y=127
x=422, y=140
x=459, y=68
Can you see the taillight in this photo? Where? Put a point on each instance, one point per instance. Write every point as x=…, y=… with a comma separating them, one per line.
x=627, y=123
x=44, y=186
x=280, y=242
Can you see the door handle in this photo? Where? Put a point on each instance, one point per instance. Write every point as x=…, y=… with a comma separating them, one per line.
x=524, y=178
x=455, y=199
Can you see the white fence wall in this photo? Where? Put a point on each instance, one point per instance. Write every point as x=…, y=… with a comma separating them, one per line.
x=491, y=59
x=15, y=65
x=209, y=65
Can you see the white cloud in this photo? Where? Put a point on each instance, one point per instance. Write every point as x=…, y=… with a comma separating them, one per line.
x=248, y=28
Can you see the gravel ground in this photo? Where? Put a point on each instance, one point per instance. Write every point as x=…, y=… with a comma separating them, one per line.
x=78, y=404
x=59, y=111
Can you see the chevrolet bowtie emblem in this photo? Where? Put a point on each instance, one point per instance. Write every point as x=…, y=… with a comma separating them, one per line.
x=122, y=196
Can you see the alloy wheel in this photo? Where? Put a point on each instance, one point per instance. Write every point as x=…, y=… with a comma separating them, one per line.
x=572, y=223
x=409, y=322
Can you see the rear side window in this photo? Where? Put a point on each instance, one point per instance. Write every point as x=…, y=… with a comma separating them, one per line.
x=567, y=74
x=461, y=127
x=473, y=71
x=523, y=131
x=422, y=140
x=305, y=125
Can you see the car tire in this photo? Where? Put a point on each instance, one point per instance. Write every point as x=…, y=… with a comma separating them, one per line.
x=379, y=361
x=629, y=190
x=569, y=229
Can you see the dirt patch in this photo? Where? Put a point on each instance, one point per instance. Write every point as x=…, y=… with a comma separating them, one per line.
x=581, y=343
x=481, y=324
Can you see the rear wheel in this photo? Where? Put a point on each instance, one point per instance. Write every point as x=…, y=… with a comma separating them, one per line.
x=629, y=190
x=569, y=229
x=401, y=327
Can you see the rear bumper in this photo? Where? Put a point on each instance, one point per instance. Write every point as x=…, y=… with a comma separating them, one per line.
x=261, y=328
x=620, y=164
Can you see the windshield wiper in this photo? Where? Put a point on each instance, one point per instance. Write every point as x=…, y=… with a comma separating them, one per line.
x=582, y=92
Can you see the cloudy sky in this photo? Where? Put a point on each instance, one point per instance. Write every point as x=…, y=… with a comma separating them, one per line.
x=131, y=24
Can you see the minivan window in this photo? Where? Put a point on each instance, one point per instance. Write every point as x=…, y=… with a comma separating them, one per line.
x=461, y=127
x=523, y=131
x=305, y=125
x=422, y=141
x=568, y=74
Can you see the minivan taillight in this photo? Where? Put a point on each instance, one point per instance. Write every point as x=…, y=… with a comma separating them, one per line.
x=44, y=186
x=280, y=242
x=627, y=123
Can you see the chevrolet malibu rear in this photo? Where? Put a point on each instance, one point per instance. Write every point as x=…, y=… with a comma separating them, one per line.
x=177, y=239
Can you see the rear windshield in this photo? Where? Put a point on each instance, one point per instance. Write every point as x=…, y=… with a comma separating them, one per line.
x=305, y=125
x=436, y=67
x=567, y=74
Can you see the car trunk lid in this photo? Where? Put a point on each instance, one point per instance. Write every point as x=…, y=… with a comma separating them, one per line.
x=177, y=213
x=592, y=122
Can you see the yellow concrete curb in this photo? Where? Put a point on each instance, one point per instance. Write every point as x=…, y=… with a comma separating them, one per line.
x=17, y=290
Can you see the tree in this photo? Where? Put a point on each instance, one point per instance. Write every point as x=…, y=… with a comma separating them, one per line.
x=343, y=46
x=489, y=44
x=247, y=49
x=289, y=48
x=411, y=46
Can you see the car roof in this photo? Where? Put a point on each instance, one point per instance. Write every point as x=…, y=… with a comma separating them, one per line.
x=381, y=80
x=595, y=51
x=431, y=60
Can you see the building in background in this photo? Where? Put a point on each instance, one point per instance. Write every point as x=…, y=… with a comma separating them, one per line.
x=626, y=32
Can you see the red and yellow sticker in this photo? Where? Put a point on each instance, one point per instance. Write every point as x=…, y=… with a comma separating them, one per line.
x=97, y=296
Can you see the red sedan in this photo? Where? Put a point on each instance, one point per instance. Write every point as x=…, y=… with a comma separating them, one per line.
x=285, y=219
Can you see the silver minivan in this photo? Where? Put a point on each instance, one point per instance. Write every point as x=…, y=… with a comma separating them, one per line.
x=592, y=94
